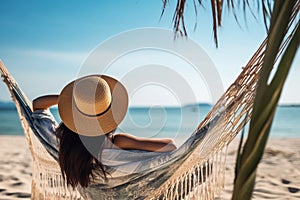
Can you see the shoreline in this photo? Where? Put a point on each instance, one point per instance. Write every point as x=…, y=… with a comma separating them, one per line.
x=278, y=174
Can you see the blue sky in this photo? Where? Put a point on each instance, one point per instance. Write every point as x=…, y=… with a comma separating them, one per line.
x=43, y=43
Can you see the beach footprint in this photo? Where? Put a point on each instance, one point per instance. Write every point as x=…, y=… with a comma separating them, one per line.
x=19, y=183
x=284, y=181
x=18, y=194
x=293, y=189
x=290, y=189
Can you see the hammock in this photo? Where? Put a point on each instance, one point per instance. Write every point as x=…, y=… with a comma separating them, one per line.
x=195, y=170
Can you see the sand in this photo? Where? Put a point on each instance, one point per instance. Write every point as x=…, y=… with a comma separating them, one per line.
x=15, y=168
x=278, y=175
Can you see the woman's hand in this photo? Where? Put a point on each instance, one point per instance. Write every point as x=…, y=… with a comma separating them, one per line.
x=44, y=102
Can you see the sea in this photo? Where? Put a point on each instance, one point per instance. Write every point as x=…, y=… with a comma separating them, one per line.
x=164, y=122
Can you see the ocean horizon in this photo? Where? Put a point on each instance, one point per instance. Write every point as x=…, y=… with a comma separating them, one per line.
x=173, y=122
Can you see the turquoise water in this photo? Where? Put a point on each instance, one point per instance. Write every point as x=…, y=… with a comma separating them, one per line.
x=177, y=123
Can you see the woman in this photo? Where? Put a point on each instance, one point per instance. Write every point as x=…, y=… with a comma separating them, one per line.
x=91, y=108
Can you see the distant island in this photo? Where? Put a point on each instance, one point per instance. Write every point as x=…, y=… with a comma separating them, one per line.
x=7, y=105
x=289, y=105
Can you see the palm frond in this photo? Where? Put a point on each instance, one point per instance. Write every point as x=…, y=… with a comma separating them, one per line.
x=278, y=15
x=217, y=7
x=267, y=95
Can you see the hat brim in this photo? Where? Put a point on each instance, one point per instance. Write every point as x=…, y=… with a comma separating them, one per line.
x=93, y=125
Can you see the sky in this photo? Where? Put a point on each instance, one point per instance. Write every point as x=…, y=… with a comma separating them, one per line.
x=45, y=43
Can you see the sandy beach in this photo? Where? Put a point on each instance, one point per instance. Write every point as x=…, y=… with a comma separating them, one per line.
x=278, y=175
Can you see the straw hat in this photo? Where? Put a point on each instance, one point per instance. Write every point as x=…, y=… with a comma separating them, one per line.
x=93, y=105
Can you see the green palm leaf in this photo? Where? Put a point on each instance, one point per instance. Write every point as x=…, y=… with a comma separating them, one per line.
x=268, y=89
x=267, y=97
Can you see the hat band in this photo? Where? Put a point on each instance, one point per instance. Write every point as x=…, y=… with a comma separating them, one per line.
x=96, y=115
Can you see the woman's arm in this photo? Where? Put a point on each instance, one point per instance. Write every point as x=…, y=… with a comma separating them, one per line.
x=127, y=141
x=44, y=102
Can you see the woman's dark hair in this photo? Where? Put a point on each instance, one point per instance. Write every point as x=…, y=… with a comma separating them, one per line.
x=77, y=164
